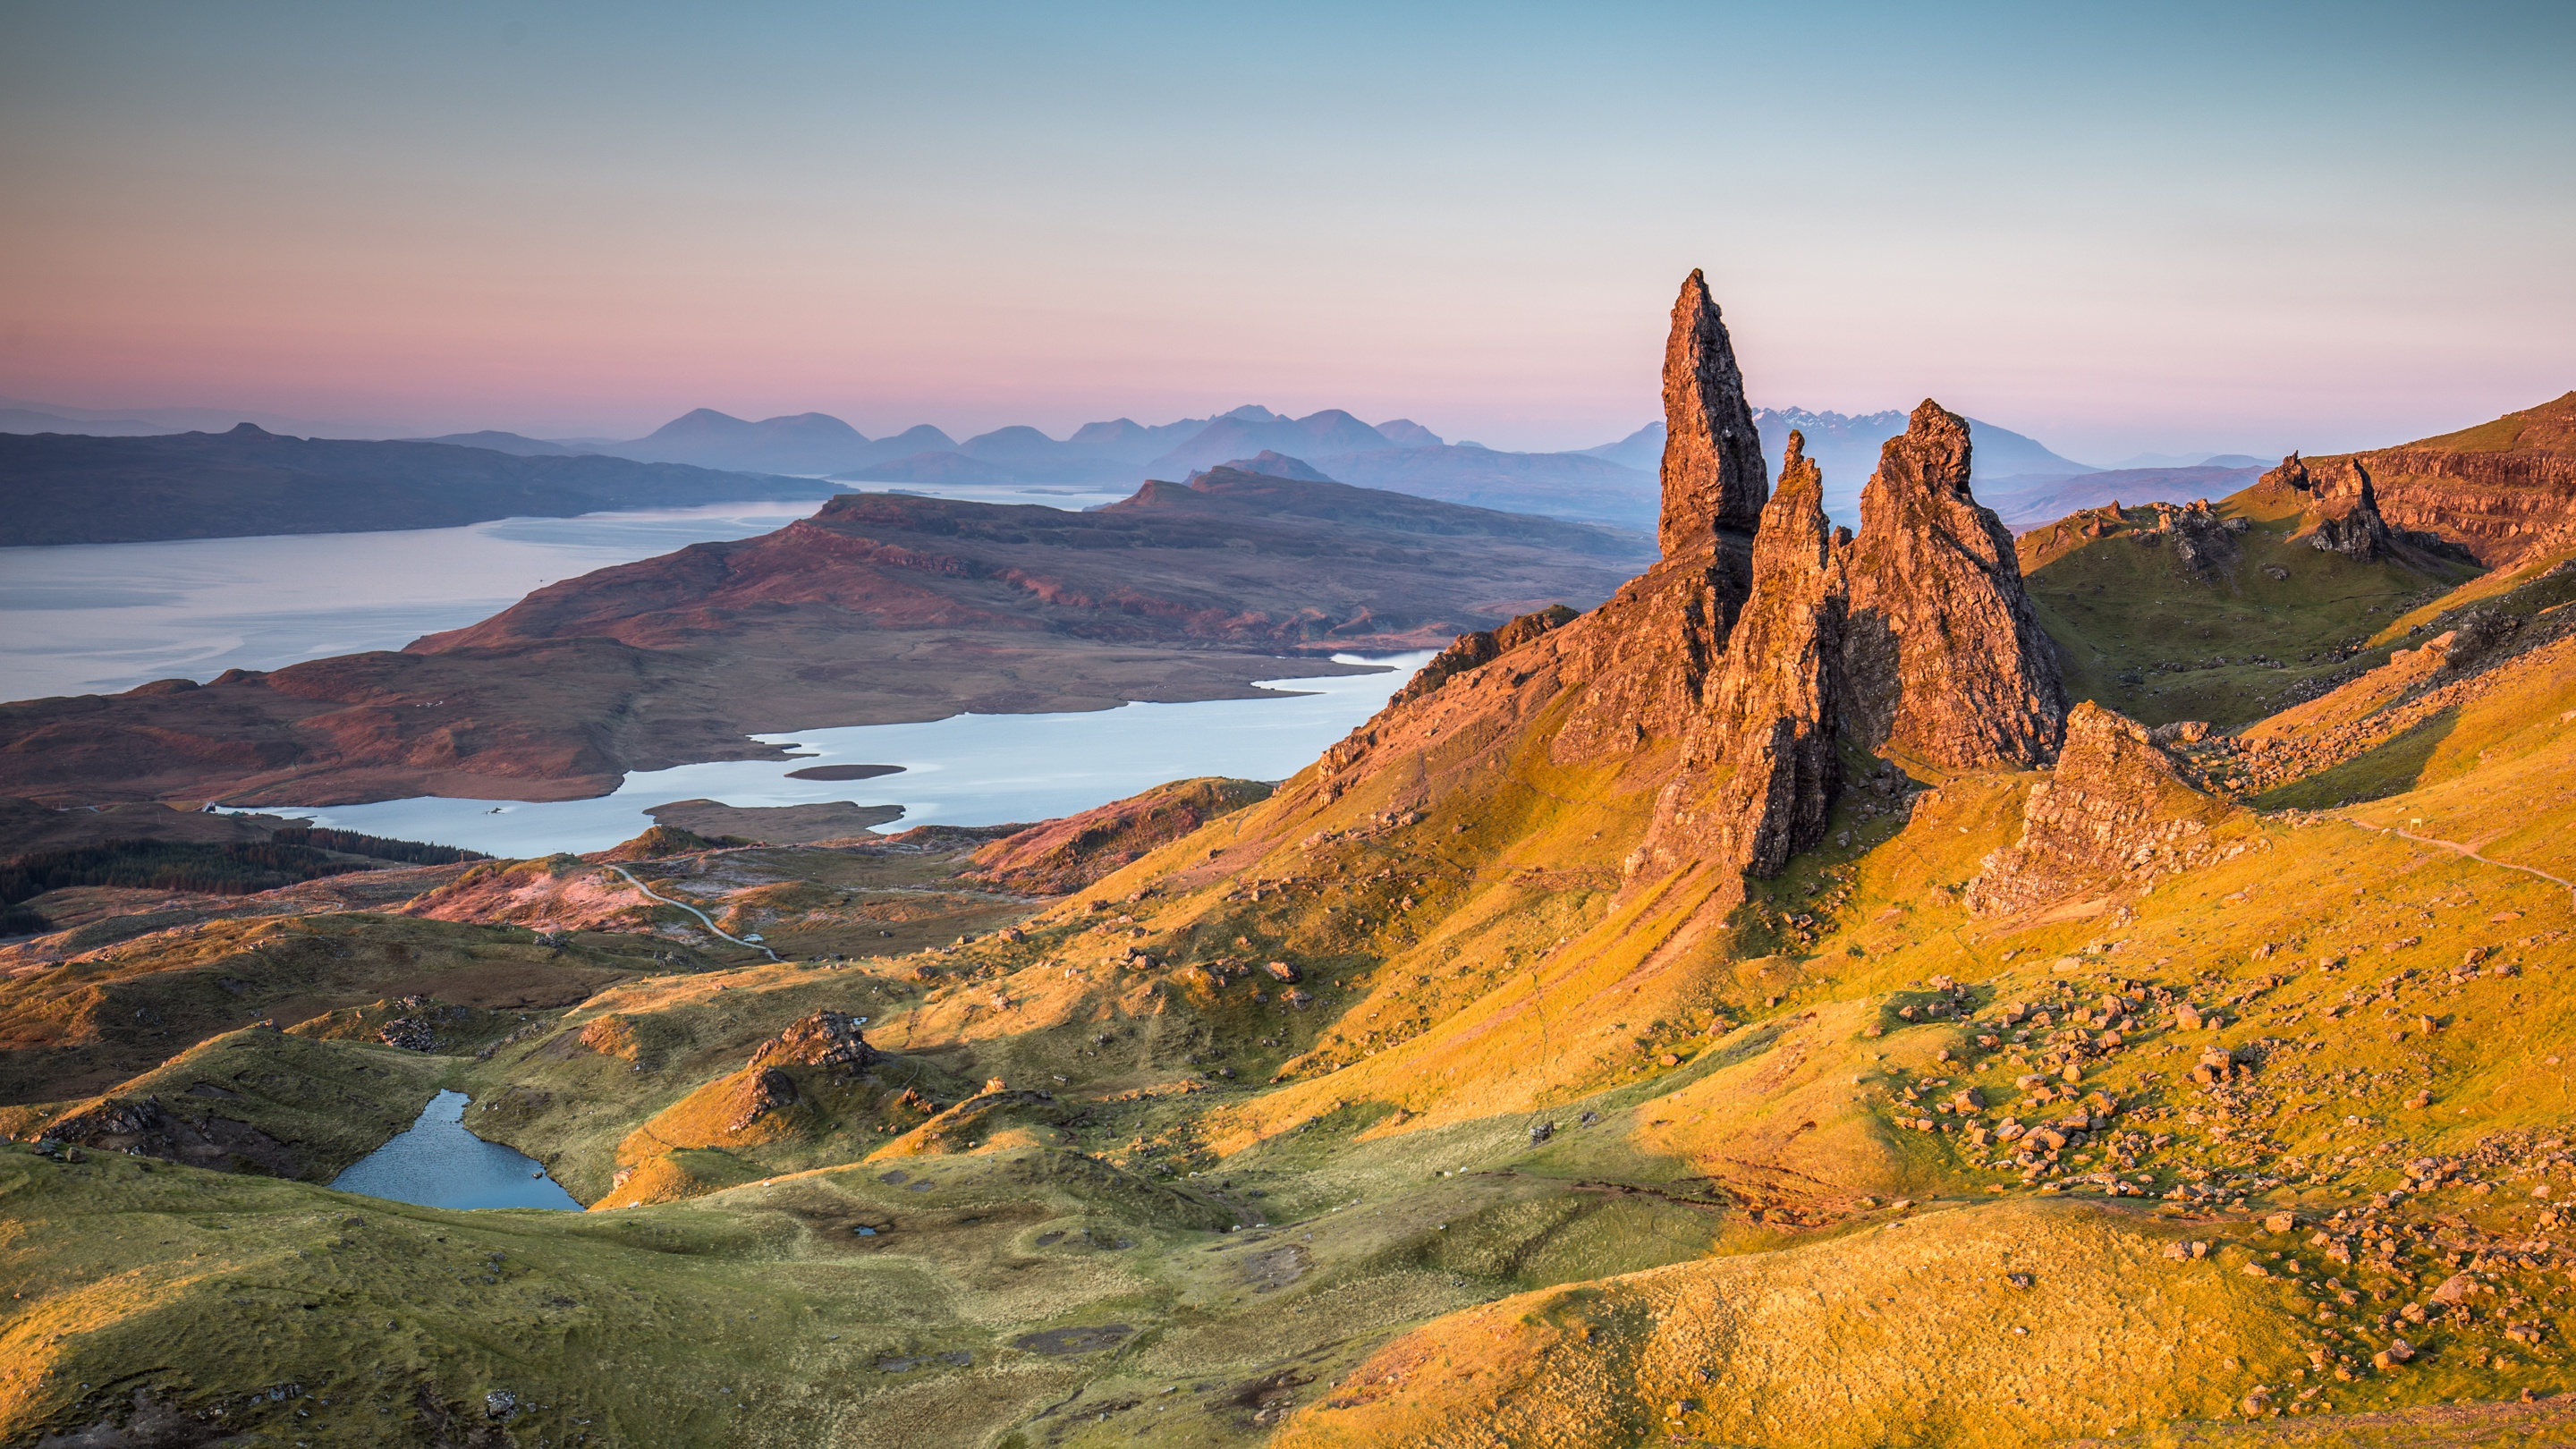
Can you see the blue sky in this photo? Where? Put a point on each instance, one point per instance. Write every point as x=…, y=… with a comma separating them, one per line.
x=2114, y=227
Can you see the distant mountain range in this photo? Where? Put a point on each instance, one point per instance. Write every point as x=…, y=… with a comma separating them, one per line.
x=1846, y=448
x=1614, y=484
x=2191, y=460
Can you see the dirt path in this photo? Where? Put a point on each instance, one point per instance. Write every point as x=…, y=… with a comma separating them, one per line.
x=2453, y=845
x=693, y=910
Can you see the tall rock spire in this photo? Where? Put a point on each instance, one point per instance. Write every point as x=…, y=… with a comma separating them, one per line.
x=1943, y=654
x=1762, y=770
x=1714, y=484
x=1659, y=638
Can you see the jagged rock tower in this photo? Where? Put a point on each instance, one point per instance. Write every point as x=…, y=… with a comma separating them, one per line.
x=1761, y=770
x=1666, y=629
x=1943, y=654
x=1730, y=675
x=1712, y=472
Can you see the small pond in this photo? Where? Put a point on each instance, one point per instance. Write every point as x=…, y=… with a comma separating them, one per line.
x=439, y=1164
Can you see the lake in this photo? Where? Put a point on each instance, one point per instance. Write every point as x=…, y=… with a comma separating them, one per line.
x=98, y=618
x=437, y=1163
x=968, y=769
x=88, y=618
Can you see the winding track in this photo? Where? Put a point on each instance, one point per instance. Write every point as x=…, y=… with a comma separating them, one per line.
x=2453, y=845
x=693, y=910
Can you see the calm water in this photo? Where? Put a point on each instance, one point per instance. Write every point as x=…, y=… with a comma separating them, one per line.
x=971, y=769
x=92, y=618
x=439, y=1164
x=97, y=618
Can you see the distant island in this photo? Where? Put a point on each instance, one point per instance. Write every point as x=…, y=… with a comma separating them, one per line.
x=58, y=488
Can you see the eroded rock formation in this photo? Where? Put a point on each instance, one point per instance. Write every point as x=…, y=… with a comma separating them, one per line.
x=828, y=1039
x=1763, y=769
x=2113, y=812
x=1714, y=481
x=1647, y=664
x=2342, y=508
x=1943, y=653
x=1725, y=676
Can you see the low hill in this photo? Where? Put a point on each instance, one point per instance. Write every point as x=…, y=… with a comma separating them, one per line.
x=513, y=443
x=62, y=489
x=804, y=443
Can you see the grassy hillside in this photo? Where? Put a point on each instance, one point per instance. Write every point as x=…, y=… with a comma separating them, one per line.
x=1393, y=1108
x=2143, y=632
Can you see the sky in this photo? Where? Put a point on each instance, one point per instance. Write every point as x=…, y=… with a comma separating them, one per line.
x=2118, y=228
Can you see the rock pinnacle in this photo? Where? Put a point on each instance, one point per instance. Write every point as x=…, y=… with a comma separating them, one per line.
x=1714, y=483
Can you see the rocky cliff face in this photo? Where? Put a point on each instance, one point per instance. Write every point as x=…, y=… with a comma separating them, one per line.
x=1943, y=654
x=2113, y=812
x=2502, y=490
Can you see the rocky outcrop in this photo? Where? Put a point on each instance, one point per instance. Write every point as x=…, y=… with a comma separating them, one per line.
x=1483, y=646
x=1943, y=654
x=760, y=1094
x=1763, y=771
x=2202, y=542
x=829, y=1040
x=146, y=1128
x=2113, y=812
x=2342, y=509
